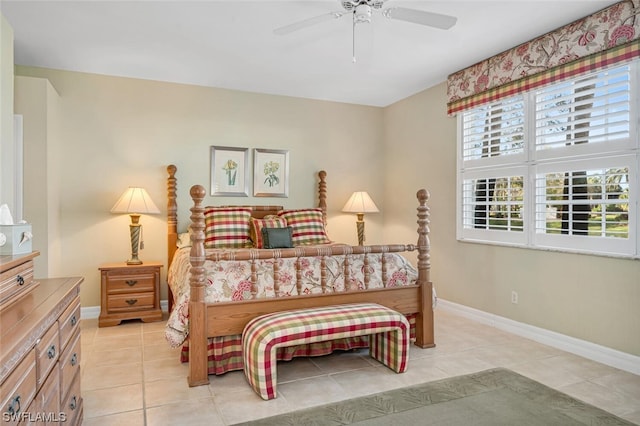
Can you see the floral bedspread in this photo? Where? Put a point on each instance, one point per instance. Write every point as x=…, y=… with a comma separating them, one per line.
x=230, y=280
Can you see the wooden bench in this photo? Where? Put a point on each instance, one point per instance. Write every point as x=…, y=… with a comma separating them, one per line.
x=387, y=329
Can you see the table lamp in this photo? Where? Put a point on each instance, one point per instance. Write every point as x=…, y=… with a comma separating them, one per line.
x=360, y=203
x=135, y=201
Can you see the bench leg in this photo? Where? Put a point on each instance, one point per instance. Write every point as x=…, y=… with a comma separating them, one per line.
x=261, y=371
x=391, y=348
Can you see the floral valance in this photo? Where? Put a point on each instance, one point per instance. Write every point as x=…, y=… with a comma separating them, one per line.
x=607, y=37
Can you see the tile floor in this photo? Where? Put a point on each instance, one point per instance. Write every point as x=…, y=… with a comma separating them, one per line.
x=131, y=377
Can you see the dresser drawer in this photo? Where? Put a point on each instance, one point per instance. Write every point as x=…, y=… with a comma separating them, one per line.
x=19, y=389
x=129, y=281
x=69, y=322
x=130, y=302
x=45, y=408
x=16, y=281
x=71, y=407
x=70, y=364
x=47, y=353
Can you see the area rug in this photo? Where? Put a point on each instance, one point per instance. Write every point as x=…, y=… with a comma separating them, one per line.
x=488, y=398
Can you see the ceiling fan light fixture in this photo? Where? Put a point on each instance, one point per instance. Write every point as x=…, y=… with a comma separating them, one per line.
x=362, y=14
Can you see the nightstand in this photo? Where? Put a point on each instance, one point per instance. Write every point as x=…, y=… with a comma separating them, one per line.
x=129, y=292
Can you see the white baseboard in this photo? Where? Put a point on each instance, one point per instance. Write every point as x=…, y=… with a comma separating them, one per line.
x=592, y=351
x=93, y=312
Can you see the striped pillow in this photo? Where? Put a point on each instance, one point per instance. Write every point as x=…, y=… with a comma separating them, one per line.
x=307, y=226
x=227, y=227
x=270, y=221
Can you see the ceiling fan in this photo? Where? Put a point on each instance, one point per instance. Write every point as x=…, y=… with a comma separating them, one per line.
x=361, y=12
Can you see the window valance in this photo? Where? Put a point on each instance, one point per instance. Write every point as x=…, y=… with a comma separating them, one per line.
x=607, y=37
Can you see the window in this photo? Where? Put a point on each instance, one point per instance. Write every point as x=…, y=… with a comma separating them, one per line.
x=555, y=168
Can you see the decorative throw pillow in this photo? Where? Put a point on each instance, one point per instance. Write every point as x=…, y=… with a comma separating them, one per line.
x=257, y=225
x=307, y=226
x=227, y=227
x=277, y=238
x=183, y=240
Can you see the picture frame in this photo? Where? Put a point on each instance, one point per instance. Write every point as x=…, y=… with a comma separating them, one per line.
x=270, y=173
x=229, y=171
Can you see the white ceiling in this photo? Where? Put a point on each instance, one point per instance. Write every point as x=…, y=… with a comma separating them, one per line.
x=230, y=44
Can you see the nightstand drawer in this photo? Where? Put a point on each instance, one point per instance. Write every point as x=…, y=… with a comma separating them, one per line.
x=130, y=302
x=127, y=283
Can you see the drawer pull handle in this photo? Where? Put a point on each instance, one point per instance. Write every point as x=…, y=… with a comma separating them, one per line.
x=74, y=403
x=74, y=359
x=14, y=406
x=20, y=280
x=131, y=283
x=51, y=353
x=131, y=302
x=74, y=320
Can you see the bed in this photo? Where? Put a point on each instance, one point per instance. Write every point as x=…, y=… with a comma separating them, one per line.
x=219, y=279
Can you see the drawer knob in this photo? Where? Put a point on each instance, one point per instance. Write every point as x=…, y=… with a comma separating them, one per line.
x=131, y=283
x=20, y=279
x=131, y=302
x=74, y=403
x=74, y=320
x=51, y=353
x=74, y=359
x=14, y=406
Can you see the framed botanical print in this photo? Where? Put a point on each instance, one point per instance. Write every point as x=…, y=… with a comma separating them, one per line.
x=229, y=171
x=270, y=173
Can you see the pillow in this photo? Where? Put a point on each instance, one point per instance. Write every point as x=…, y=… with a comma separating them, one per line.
x=307, y=226
x=227, y=227
x=277, y=237
x=257, y=225
x=184, y=240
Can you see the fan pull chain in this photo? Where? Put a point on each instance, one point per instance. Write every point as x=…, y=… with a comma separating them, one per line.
x=353, y=42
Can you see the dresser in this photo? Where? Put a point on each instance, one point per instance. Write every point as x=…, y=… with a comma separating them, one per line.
x=129, y=292
x=40, y=352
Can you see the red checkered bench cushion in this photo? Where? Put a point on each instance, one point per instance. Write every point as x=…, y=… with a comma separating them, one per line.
x=388, y=341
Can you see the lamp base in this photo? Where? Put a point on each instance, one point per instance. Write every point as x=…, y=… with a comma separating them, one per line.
x=360, y=227
x=134, y=229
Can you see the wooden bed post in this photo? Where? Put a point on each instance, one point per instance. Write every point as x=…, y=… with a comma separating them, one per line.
x=198, y=373
x=172, y=223
x=424, y=320
x=322, y=194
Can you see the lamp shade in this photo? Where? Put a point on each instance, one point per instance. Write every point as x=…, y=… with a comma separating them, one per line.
x=135, y=200
x=360, y=202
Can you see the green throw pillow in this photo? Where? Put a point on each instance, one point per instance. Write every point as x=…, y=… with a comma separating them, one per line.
x=277, y=238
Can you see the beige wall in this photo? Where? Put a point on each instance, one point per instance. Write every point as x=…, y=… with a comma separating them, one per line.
x=111, y=133
x=588, y=297
x=7, y=178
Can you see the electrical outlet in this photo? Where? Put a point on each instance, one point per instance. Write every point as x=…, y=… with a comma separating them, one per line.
x=514, y=297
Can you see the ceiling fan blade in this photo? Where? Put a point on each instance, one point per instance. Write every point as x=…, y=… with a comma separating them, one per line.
x=307, y=23
x=421, y=17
